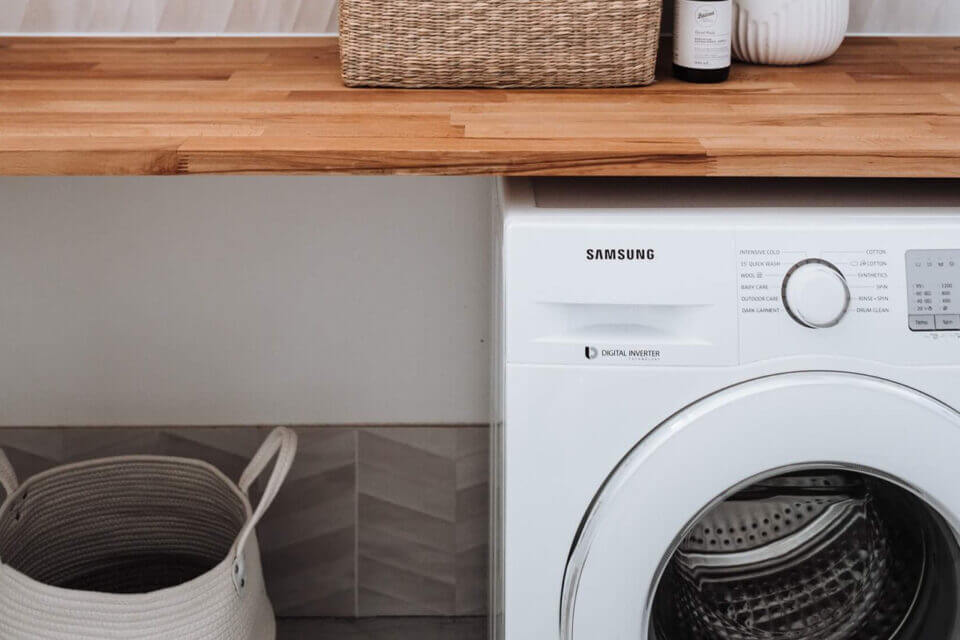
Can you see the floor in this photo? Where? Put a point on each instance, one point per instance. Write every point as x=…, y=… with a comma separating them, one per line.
x=424, y=628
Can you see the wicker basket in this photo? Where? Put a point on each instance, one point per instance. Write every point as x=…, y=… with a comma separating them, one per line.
x=145, y=547
x=499, y=43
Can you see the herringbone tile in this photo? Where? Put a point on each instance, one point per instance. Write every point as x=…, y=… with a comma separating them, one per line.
x=473, y=530
x=423, y=524
x=310, y=538
x=371, y=522
x=309, y=535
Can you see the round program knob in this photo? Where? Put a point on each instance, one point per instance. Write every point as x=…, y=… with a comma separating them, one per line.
x=815, y=294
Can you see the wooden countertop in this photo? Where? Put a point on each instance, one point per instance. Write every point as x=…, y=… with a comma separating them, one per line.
x=880, y=107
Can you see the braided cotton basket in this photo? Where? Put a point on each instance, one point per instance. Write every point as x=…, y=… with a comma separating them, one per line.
x=499, y=43
x=143, y=547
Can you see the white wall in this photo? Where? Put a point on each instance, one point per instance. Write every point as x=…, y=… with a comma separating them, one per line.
x=243, y=300
x=299, y=16
x=906, y=16
x=147, y=16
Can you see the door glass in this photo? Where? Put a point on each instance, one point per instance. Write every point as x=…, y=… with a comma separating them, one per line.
x=818, y=555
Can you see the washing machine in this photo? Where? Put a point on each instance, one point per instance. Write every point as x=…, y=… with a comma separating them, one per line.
x=727, y=410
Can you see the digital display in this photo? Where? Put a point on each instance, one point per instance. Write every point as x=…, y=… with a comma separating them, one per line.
x=932, y=279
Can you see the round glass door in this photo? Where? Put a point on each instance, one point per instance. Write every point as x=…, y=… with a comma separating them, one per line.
x=819, y=554
x=801, y=506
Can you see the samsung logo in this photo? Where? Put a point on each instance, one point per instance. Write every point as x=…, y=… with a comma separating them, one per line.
x=625, y=255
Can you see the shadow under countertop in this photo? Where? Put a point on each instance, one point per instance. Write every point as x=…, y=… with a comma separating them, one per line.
x=417, y=628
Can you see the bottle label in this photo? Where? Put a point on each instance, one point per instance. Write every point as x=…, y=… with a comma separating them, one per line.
x=701, y=35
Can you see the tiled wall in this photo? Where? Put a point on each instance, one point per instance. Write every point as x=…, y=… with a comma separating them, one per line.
x=371, y=521
x=284, y=16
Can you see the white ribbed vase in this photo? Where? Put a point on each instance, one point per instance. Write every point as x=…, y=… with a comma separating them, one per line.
x=785, y=32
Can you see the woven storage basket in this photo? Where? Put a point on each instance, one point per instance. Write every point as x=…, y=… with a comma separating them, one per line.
x=137, y=547
x=499, y=43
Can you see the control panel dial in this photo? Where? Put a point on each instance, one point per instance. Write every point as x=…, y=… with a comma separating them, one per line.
x=816, y=294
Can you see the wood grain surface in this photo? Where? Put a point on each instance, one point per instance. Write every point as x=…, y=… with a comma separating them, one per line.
x=880, y=107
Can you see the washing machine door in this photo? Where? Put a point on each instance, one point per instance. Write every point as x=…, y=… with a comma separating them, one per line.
x=803, y=506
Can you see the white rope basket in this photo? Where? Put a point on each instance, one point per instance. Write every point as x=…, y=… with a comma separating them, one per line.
x=137, y=547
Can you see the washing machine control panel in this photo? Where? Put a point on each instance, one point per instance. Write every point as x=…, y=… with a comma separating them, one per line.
x=933, y=277
x=816, y=288
x=669, y=291
x=882, y=292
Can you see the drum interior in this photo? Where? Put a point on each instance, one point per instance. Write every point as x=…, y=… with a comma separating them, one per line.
x=813, y=555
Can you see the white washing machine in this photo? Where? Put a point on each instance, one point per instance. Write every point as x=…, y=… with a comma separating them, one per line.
x=728, y=410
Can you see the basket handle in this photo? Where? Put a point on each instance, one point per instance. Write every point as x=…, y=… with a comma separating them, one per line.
x=8, y=477
x=282, y=445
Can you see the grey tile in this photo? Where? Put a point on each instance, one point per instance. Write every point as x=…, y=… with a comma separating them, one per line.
x=308, y=537
x=472, y=572
x=440, y=441
x=418, y=460
x=31, y=451
x=430, y=494
x=473, y=520
x=405, y=525
x=425, y=628
x=473, y=457
x=315, y=577
x=380, y=545
x=407, y=521
x=375, y=521
x=423, y=520
x=388, y=590
x=88, y=444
